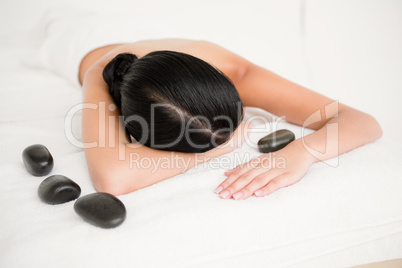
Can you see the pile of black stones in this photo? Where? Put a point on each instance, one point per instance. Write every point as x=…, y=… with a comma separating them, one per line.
x=100, y=209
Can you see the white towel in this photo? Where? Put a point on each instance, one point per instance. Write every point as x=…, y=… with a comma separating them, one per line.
x=70, y=35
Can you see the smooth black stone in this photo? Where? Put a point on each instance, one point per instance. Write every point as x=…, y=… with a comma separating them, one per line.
x=37, y=160
x=101, y=209
x=275, y=141
x=58, y=189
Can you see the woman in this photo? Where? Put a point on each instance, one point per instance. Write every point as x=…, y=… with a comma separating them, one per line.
x=154, y=71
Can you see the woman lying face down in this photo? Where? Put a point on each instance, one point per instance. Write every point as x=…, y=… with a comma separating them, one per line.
x=185, y=98
x=173, y=101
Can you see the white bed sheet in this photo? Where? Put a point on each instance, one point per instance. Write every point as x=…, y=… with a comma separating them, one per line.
x=337, y=216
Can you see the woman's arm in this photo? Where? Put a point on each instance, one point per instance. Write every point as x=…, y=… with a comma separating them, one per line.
x=339, y=129
x=115, y=165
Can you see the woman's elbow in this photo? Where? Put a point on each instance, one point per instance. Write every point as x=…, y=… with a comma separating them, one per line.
x=363, y=124
x=378, y=132
x=113, y=184
x=373, y=128
x=107, y=188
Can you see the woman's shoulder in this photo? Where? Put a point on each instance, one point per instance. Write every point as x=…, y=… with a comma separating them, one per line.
x=139, y=48
x=93, y=56
x=226, y=61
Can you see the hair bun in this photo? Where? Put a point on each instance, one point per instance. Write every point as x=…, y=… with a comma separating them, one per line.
x=114, y=72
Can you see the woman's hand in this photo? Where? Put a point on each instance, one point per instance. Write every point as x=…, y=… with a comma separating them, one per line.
x=267, y=173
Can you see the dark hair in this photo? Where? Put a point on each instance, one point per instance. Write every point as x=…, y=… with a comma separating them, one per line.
x=173, y=101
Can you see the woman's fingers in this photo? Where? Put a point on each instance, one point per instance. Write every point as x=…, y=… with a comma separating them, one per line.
x=274, y=185
x=258, y=182
x=234, y=174
x=230, y=171
x=239, y=183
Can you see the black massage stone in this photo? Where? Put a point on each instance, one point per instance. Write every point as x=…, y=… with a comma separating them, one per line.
x=101, y=209
x=275, y=141
x=37, y=160
x=58, y=189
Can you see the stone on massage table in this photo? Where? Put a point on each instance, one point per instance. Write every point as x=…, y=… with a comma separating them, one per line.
x=58, y=189
x=275, y=141
x=101, y=209
x=37, y=160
